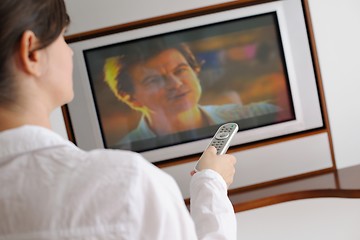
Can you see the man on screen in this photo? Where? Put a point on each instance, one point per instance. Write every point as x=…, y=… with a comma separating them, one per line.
x=161, y=81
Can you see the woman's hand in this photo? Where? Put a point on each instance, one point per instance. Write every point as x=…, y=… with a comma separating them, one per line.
x=222, y=164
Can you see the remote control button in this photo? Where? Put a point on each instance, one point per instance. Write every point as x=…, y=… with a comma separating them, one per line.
x=222, y=135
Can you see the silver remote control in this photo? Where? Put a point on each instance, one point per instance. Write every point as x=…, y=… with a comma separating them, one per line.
x=222, y=138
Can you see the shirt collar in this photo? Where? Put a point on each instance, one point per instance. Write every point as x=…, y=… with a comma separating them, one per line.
x=28, y=138
x=144, y=128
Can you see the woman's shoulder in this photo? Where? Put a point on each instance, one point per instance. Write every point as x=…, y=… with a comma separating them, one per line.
x=123, y=162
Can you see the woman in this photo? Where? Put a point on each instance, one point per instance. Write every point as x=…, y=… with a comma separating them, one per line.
x=50, y=189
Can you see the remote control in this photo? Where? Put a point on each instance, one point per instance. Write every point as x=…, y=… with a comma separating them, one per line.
x=222, y=138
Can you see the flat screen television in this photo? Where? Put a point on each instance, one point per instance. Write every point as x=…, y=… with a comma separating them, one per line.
x=163, y=90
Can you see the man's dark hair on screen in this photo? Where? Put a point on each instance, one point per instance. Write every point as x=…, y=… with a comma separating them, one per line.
x=140, y=52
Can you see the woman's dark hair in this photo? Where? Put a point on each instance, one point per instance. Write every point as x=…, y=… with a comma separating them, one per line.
x=46, y=18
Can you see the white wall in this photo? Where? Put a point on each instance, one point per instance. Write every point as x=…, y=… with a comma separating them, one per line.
x=337, y=37
x=310, y=219
x=337, y=34
x=91, y=14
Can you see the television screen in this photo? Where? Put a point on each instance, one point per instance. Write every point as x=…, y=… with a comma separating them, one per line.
x=162, y=88
x=180, y=86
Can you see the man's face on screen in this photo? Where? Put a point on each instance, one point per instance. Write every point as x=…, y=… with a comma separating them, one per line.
x=166, y=84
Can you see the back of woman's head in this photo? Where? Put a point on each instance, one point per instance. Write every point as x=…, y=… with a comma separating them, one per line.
x=46, y=18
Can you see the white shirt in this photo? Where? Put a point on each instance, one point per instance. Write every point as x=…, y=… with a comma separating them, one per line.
x=50, y=189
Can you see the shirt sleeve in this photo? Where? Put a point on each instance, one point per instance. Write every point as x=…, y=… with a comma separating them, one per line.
x=211, y=208
x=159, y=207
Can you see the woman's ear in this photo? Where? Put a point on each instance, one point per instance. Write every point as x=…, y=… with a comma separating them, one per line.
x=30, y=56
